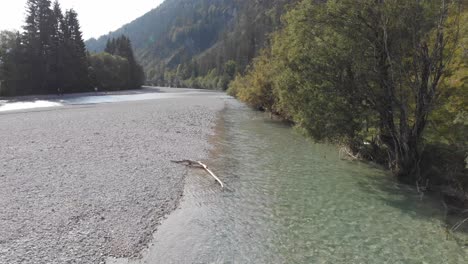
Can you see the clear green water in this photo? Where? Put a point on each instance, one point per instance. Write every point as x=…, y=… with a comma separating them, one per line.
x=293, y=201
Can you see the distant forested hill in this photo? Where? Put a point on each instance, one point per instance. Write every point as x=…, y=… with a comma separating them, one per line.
x=199, y=43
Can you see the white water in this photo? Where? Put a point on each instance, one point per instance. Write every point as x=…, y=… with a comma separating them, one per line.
x=27, y=105
x=89, y=99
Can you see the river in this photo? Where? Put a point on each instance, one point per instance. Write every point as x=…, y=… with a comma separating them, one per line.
x=290, y=200
x=24, y=103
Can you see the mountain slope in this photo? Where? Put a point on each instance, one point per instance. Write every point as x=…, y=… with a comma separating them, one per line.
x=201, y=43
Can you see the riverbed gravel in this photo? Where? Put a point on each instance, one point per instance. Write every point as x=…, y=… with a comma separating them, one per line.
x=81, y=183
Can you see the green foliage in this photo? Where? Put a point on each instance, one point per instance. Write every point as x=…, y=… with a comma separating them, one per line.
x=11, y=63
x=256, y=87
x=449, y=121
x=122, y=47
x=72, y=52
x=50, y=56
x=202, y=43
x=109, y=72
x=369, y=72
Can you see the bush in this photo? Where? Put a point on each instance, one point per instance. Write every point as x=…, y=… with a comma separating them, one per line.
x=109, y=72
x=256, y=87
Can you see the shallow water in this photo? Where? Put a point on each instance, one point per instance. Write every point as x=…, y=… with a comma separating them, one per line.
x=293, y=201
x=87, y=99
x=126, y=97
x=12, y=106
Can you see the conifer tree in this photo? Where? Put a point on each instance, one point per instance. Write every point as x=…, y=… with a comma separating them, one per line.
x=12, y=64
x=50, y=56
x=38, y=44
x=122, y=47
x=56, y=56
x=75, y=59
x=31, y=44
x=110, y=46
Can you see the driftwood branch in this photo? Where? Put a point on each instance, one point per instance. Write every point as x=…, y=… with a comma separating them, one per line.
x=457, y=225
x=347, y=152
x=200, y=165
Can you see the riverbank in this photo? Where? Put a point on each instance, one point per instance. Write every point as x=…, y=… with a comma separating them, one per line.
x=55, y=97
x=290, y=200
x=83, y=182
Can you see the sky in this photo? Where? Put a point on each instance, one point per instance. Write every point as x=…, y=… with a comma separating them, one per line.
x=97, y=17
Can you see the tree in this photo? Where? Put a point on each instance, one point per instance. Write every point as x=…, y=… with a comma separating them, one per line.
x=110, y=72
x=122, y=47
x=57, y=50
x=32, y=42
x=256, y=87
x=448, y=123
x=75, y=62
x=404, y=47
x=50, y=55
x=367, y=72
x=12, y=64
x=200, y=35
x=110, y=46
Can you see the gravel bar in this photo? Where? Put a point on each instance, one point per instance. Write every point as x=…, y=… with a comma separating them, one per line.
x=81, y=183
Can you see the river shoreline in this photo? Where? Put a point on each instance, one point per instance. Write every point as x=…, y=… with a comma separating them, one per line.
x=290, y=200
x=81, y=183
x=57, y=97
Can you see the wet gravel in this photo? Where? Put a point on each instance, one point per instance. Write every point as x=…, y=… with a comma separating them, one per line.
x=81, y=183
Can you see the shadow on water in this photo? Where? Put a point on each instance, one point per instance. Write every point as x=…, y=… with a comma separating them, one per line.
x=418, y=205
x=402, y=197
x=387, y=189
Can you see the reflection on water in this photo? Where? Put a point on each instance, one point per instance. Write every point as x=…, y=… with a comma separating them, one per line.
x=6, y=106
x=293, y=201
x=100, y=98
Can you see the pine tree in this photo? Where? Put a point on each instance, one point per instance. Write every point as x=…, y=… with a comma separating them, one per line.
x=46, y=30
x=38, y=44
x=122, y=47
x=56, y=56
x=110, y=46
x=75, y=58
x=31, y=44
x=12, y=64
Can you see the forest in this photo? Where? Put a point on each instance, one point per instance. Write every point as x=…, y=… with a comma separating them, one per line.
x=49, y=57
x=200, y=44
x=387, y=80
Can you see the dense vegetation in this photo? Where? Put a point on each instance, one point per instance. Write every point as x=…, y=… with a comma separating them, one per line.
x=385, y=78
x=116, y=68
x=202, y=43
x=50, y=56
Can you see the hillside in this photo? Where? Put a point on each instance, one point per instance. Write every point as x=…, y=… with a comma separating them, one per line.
x=201, y=43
